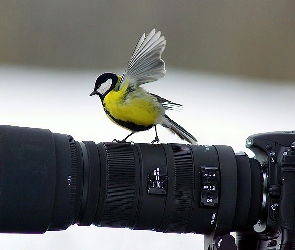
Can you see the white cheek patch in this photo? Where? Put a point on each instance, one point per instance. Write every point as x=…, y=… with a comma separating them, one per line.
x=104, y=87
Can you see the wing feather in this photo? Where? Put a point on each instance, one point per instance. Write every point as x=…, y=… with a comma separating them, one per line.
x=145, y=64
x=168, y=105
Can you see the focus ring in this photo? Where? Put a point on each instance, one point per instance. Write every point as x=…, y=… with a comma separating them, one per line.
x=184, y=184
x=73, y=184
x=120, y=185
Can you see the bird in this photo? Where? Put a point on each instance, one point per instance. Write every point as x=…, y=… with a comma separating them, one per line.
x=127, y=103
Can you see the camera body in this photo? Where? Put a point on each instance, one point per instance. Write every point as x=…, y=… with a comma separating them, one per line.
x=276, y=153
x=269, y=149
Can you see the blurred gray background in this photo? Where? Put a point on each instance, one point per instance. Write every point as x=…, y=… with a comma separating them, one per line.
x=215, y=51
x=248, y=38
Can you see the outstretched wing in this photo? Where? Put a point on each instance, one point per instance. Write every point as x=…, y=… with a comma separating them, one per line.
x=145, y=64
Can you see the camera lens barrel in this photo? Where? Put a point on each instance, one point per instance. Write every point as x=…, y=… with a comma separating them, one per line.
x=49, y=181
x=133, y=197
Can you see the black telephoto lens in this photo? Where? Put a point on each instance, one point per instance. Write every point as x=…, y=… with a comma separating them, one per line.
x=49, y=181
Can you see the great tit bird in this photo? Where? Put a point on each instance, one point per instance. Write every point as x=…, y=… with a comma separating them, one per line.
x=130, y=106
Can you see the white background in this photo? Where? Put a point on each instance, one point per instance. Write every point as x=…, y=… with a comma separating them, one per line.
x=217, y=110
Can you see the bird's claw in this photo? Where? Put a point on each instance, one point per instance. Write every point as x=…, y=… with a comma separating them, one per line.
x=122, y=141
x=156, y=140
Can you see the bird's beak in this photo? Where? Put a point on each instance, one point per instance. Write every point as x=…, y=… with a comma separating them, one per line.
x=93, y=93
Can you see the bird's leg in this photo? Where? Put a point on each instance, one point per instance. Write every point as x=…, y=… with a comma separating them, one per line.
x=124, y=140
x=156, y=140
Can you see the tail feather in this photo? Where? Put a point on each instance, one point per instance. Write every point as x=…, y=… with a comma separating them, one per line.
x=175, y=128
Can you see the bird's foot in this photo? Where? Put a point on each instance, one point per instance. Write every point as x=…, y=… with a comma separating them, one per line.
x=156, y=140
x=122, y=141
x=125, y=139
x=117, y=141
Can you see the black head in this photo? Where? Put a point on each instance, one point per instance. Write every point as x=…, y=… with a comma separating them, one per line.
x=104, y=84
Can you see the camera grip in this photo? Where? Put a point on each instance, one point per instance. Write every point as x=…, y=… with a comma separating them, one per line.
x=287, y=202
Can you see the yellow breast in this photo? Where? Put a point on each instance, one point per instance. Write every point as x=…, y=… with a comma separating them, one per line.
x=138, y=107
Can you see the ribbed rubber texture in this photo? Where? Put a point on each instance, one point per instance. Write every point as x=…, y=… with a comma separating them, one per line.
x=120, y=185
x=73, y=182
x=184, y=184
